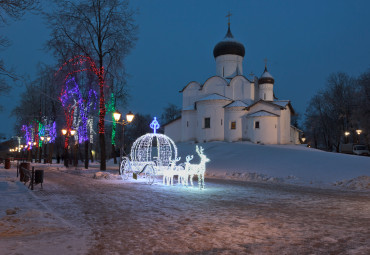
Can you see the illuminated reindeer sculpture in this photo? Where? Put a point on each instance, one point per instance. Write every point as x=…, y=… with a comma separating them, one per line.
x=195, y=169
x=172, y=170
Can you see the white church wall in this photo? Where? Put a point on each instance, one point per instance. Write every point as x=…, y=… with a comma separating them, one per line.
x=294, y=135
x=173, y=130
x=265, y=133
x=284, y=127
x=233, y=115
x=240, y=89
x=229, y=65
x=214, y=110
x=214, y=84
x=189, y=125
x=190, y=94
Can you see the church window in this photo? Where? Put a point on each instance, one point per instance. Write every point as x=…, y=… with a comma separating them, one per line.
x=233, y=125
x=221, y=122
x=207, y=122
x=257, y=124
x=187, y=123
x=264, y=96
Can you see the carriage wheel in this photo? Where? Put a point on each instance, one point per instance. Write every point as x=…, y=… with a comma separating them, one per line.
x=125, y=169
x=149, y=173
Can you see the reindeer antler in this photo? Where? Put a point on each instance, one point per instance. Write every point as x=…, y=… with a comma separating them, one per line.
x=189, y=157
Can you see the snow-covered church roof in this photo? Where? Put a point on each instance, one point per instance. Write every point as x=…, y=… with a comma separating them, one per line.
x=214, y=96
x=236, y=103
x=263, y=113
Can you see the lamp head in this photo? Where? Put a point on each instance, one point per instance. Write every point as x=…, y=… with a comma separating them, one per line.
x=130, y=116
x=116, y=115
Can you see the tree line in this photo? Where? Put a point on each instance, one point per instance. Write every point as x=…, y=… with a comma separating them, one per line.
x=336, y=112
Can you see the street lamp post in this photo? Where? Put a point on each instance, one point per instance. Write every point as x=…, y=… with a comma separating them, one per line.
x=29, y=152
x=358, y=131
x=129, y=118
x=346, y=135
x=67, y=134
x=46, y=141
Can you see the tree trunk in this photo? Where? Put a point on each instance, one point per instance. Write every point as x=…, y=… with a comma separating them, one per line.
x=103, y=165
x=51, y=148
x=87, y=154
x=40, y=154
x=114, y=154
x=75, y=158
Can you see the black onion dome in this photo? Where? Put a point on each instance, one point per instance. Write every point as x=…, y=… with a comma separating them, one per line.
x=229, y=46
x=266, y=77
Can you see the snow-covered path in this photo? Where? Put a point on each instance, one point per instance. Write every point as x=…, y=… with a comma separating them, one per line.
x=116, y=217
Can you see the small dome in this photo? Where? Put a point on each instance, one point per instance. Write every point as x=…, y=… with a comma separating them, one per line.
x=229, y=46
x=266, y=77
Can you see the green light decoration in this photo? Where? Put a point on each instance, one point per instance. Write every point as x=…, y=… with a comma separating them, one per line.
x=111, y=108
x=41, y=132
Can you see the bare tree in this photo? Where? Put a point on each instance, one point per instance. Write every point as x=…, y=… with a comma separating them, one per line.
x=104, y=31
x=331, y=112
x=170, y=113
x=362, y=111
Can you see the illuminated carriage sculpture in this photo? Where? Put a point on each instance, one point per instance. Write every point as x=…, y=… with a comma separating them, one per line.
x=151, y=155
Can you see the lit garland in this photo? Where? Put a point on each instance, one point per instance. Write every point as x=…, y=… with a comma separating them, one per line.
x=41, y=133
x=84, y=113
x=99, y=72
x=111, y=107
x=69, y=104
x=52, y=132
x=27, y=135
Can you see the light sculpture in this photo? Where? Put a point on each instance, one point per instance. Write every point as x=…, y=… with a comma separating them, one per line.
x=154, y=149
x=154, y=125
x=160, y=152
x=195, y=169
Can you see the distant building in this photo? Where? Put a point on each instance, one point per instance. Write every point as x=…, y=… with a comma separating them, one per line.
x=230, y=107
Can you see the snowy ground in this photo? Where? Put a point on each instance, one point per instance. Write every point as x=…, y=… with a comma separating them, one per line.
x=249, y=206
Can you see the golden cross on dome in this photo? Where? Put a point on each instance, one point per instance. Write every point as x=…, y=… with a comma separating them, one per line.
x=228, y=16
x=265, y=62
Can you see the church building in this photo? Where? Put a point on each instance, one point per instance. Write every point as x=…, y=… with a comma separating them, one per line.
x=230, y=107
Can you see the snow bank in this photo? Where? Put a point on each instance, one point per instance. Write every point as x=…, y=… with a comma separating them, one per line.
x=294, y=164
x=358, y=183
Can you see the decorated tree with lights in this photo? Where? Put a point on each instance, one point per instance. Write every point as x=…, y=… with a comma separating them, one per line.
x=103, y=31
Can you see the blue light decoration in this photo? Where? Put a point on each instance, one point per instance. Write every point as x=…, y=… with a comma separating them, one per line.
x=154, y=125
x=28, y=135
x=52, y=132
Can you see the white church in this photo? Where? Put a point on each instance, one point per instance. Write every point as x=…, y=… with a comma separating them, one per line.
x=230, y=107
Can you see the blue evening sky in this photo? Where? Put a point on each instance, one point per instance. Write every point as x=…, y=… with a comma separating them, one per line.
x=304, y=41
